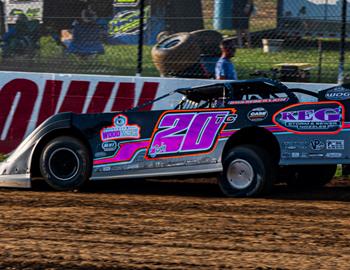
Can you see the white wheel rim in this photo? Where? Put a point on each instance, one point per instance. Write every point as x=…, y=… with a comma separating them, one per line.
x=240, y=174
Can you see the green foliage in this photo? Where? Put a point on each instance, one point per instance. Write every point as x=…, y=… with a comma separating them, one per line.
x=2, y=157
x=122, y=60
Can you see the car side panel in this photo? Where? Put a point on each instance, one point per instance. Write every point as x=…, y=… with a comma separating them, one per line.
x=156, y=143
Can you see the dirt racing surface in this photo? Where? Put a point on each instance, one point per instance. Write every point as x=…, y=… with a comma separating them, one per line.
x=167, y=225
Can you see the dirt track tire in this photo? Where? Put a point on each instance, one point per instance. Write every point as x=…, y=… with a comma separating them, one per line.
x=310, y=176
x=175, y=53
x=65, y=163
x=208, y=41
x=162, y=35
x=247, y=172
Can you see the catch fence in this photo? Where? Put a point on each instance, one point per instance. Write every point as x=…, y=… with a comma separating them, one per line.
x=301, y=40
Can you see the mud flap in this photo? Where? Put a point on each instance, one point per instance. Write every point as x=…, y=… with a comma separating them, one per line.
x=15, y=181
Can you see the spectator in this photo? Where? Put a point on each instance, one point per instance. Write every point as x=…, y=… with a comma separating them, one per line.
x=87, y=34
x=22, y=38
x=242, y=10
x=225, y=69
x=88, y=15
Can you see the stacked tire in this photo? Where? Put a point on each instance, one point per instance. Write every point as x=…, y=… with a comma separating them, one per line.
x=176, y=53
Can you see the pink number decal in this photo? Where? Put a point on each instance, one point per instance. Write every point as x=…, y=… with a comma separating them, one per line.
x=183, y=133
x=169, y=140
x=203, y=131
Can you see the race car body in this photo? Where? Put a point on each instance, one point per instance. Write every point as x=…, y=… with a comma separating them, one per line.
x=252, y=133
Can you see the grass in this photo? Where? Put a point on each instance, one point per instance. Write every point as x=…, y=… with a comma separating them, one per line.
x=122, y=60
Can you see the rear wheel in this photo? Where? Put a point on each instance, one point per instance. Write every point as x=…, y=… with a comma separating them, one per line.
x=310, y=176
x=247, y=171
x=65, y=163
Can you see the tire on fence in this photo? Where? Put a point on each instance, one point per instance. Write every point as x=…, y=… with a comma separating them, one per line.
x=162, y=35
x=208, y=41
x=311, y=176
x=175, y=53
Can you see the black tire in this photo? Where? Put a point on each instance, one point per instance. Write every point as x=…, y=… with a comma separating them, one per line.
x=175, y=54
x=65, y=163
x=252, y=162
x=208, y=41
x=310, y=176
x=162, y=35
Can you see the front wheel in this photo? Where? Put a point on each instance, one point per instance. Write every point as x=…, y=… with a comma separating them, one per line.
x=247, y=171
x=65, y=163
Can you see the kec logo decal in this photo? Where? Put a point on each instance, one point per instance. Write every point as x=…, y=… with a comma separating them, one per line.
x=120, y=130
x=311, y=118
x=183, y=133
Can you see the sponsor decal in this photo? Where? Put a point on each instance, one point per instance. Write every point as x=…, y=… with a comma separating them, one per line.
x=333, y=155
x=335, y=145
x=127, y=22
x=294, y=145
x=120, y=130
x=296, y=155
x=106, y=169
x=180, y=133
x=257, y=114
x=338, y=93
x=109, y=146
x=314, y=155
x=317, y=145
x=311, y=118
x=125, y=3
x=256, y=101
x=100, y=154
x=32, y=9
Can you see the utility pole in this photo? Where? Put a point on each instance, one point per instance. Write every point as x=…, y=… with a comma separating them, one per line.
x=140, y=45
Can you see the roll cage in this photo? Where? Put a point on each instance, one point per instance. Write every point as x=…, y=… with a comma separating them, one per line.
x=217, y=95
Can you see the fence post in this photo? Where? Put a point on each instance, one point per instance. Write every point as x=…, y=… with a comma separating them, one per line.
x=320, y=60
x=342, y=43
x=140, y=44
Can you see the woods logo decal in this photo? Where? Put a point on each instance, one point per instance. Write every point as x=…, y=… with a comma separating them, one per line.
x=311, y=118
x=120, y=130
x=338, y=93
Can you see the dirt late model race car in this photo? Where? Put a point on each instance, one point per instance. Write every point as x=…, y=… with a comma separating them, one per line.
x=250, y=133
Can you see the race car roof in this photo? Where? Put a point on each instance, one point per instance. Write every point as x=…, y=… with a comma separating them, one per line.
x=218, y=90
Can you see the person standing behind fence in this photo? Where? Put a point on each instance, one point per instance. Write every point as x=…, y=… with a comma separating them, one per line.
x=242, y=10
x=225, y=69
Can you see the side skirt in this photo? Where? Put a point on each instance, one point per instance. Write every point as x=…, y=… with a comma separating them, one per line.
x=15, y=181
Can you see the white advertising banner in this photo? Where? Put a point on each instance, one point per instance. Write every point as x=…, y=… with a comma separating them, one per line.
x=27, y=99
x=33, y=9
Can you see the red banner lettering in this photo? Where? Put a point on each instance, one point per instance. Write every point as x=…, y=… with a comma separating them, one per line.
x=75, y=97
x=28, y=93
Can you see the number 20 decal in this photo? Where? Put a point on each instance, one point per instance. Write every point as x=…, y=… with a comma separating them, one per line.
x=190, y=132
